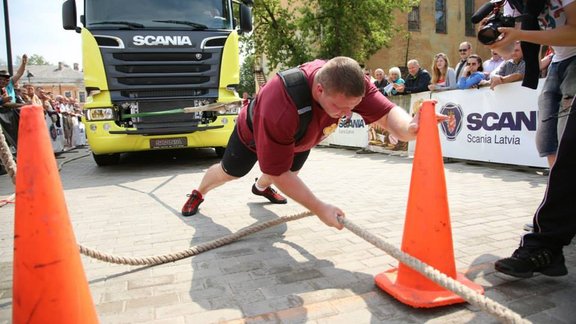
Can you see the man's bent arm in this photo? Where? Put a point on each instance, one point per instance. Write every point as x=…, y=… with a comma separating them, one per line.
x=291, y=185
x=400, y=124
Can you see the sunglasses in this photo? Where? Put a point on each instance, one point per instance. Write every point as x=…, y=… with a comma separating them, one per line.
x=471, y=63
x=463, y=50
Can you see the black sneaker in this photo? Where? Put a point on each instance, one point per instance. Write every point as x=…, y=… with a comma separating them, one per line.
x=524, y=262
x=269, y=194
x=191, y=206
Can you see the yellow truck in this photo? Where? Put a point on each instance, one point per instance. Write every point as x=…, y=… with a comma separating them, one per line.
x=144, y=61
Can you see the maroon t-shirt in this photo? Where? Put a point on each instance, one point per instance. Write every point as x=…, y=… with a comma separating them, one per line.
x=276, y=121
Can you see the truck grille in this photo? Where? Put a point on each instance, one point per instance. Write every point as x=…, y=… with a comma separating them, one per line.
x=163, y=80
x=164, y=93
x=165, y=57
x=180, y=68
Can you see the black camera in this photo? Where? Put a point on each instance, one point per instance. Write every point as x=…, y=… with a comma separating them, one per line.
x=489, y=33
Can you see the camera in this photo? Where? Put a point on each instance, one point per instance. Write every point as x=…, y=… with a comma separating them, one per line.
x=489, y=33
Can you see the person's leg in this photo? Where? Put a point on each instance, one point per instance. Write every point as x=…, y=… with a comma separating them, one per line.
x=554, y=221
x=213, y=178
x=552, y=119
x=567, y=73
x=548, y=107
x=70, y=131
x=262, y=186
x=237, y=161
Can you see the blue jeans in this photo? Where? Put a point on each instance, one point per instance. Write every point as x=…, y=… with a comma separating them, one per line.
x=554, y=105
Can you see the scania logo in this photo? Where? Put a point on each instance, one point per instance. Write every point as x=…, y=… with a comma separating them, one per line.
x=453, y=125
x=149, y=40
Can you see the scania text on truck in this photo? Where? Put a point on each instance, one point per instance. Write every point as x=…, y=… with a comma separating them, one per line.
x=145, y=61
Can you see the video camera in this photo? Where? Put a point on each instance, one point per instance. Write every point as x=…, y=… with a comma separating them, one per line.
x=489, y=33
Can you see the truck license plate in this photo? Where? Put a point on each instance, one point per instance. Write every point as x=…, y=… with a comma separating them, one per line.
x=168, y=142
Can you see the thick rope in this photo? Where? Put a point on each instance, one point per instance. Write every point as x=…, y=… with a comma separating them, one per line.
x=195, y=250
x=72, y=159
x=490, y=306
x=7, y=200
x=7, y=158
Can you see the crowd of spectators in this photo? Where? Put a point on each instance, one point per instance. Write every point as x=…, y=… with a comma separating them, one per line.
x=470, y=71
x=64, y=112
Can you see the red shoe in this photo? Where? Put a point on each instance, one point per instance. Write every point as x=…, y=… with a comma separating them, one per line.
x=270, y=194
x=191, y=206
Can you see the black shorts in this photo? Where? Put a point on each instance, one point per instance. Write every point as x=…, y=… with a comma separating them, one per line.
x=238, y=160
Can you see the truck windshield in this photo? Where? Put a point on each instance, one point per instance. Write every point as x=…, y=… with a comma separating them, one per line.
x=154, y=14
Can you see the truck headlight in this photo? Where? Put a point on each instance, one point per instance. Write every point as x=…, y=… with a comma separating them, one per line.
x=99, y=114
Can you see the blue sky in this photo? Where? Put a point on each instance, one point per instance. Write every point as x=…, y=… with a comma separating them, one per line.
x=36, y=28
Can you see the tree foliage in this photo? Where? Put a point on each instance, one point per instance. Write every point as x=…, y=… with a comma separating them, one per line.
x=36, y=59
x=323, y=29
x=247, y=82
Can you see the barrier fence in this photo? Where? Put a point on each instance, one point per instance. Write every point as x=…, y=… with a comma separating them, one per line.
x=485, y=125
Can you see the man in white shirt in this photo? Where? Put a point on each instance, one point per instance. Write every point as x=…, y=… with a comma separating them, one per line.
x=491, y=65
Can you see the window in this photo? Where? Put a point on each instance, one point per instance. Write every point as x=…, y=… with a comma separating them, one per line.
x=174, y=14
x=68, y=94
x=82, y=96
x=414, y=19
x=440, y=16
x=469, y=29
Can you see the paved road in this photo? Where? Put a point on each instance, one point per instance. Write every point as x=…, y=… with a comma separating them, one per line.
x=298, y=272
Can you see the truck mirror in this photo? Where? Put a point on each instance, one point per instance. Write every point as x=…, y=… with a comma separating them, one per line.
x=245, y=19
x=69, y=15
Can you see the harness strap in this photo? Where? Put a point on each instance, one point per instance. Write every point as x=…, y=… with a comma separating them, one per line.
x=297, y=87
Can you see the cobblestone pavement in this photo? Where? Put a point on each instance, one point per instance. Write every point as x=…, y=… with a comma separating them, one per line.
x=297, y=272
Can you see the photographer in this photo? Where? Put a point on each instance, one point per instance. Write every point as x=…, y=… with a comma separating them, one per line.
x=554, y=221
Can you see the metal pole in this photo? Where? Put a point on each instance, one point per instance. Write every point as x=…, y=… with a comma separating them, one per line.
x=8, y=44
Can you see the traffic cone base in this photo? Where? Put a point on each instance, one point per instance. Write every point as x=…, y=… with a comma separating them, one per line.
x=418, y=298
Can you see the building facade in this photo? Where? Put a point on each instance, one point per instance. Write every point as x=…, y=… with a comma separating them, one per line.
x=432, y=27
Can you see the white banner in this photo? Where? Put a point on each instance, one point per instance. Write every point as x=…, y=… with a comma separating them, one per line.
x=353, y=133
x=55, y=132
x=491, y=125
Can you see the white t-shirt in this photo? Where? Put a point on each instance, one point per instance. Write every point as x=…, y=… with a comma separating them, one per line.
x=553, y=16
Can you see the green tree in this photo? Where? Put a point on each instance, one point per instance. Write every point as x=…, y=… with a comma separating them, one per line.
x=247, y=82
x=36, y=59
x=324, y=29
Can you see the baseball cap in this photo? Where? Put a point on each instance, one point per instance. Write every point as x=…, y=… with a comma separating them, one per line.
x=4, y=74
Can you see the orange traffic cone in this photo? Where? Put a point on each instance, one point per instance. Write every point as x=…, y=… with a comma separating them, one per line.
x=427, y=231
x=49, y=282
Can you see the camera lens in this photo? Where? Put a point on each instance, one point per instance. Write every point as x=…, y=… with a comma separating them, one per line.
x=489, y=34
